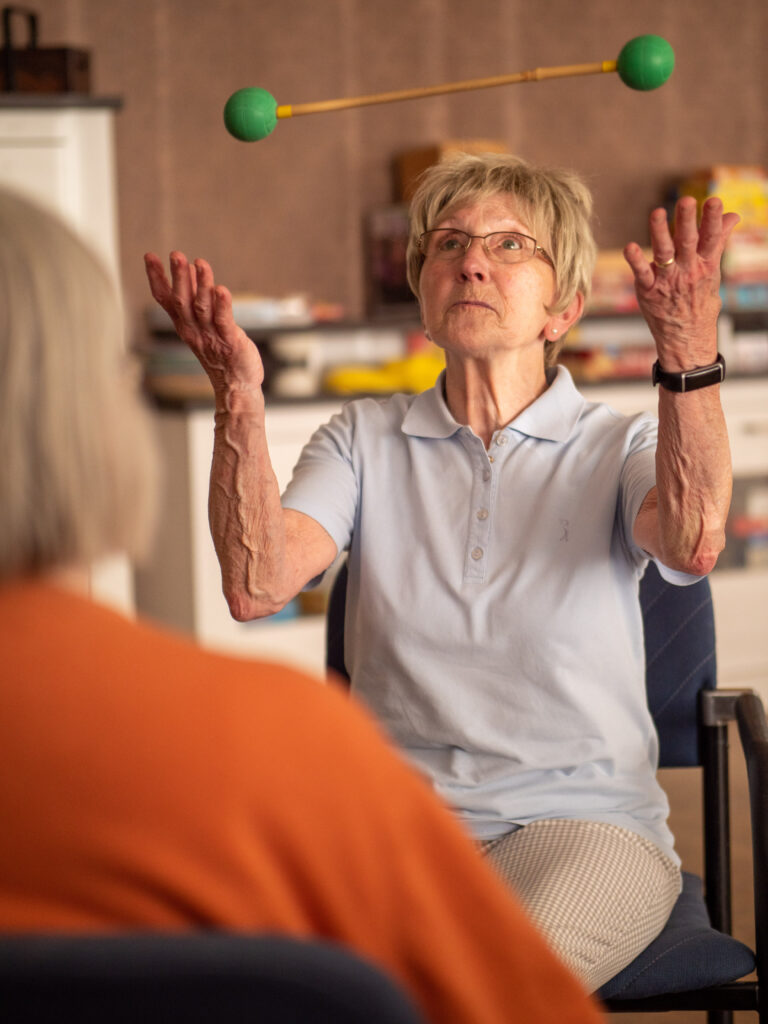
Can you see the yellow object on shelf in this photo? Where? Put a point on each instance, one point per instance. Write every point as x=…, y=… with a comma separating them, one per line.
x=414, y=373
x=742, y=188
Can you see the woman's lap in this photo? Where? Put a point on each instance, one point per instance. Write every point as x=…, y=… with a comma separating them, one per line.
x=599, y=893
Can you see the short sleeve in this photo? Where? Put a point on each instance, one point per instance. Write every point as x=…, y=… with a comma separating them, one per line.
x=324, y=485
x=637, y=478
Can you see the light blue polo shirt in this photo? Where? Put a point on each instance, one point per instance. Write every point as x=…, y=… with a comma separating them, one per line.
x=493, y=623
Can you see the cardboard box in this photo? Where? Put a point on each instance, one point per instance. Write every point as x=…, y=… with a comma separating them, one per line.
x=412, y=163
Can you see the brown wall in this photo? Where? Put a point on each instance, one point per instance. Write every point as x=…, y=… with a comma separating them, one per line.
x=284, y=214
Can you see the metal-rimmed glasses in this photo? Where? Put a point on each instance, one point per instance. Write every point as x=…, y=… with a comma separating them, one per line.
x=500, y=246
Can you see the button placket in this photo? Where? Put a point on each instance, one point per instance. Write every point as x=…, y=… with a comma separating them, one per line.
x=478, y=536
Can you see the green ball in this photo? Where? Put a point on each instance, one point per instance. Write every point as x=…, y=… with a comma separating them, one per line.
x=250, y=114
x=645, y=62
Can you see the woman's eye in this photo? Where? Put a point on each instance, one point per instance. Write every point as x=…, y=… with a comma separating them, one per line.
x=509, y=242
x=450, y=243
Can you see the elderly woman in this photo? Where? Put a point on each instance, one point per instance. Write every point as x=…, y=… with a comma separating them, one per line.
x=497, y=527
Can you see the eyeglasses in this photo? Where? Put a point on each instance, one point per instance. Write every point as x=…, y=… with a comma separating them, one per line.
x=500, y=246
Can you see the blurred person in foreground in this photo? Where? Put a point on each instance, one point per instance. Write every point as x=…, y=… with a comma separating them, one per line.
x=150, y=784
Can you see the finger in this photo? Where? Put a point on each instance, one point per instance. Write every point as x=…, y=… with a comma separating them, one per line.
x=641, y=268
x=715, y=230
x=183, y=288
x=686, y=239
x=223, y=315
x=203, y=292
x=159, y=284
x=661, y=239
x=711, y=239
x=730, y=220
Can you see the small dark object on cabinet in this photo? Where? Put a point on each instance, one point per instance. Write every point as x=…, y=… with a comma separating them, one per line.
x=40, y=70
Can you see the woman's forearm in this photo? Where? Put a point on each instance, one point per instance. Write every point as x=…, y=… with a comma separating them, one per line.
x=693, y=479
x=245, y=514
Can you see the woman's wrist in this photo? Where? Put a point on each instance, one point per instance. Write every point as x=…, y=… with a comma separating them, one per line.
x=240, y=400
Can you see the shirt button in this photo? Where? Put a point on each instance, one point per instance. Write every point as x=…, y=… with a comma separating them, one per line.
x=490, y=458
x=502, y=439
x=482, y=513
x=477, y=553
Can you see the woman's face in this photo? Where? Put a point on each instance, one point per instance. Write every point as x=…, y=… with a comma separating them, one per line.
x=475, y=306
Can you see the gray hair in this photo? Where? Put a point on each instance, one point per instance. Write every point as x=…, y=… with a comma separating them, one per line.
x=557, y=202
x=78, y=470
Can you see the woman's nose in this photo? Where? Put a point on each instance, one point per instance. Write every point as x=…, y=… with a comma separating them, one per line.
x=474, y=262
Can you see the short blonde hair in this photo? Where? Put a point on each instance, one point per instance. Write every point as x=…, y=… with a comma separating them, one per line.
x=78, y=469
x=557, y=202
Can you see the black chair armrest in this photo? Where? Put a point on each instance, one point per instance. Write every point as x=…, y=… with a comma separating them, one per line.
x=717, y=710
x=753, y=731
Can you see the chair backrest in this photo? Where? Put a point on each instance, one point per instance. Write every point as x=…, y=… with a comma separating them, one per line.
x=334, y=623
x=679, y=648
x=195, y=978
x=680, y=658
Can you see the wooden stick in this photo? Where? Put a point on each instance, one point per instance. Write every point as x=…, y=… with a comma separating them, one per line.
x=536, y=75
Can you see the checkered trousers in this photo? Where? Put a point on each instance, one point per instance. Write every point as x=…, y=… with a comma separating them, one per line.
x=598, y=892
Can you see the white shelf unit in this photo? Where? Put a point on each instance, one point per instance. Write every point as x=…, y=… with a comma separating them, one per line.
x=182, y=585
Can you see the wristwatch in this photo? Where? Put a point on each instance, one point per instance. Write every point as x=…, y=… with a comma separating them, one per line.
x=690, y=380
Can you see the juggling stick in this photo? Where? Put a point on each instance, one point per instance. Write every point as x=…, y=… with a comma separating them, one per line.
x=644, y=63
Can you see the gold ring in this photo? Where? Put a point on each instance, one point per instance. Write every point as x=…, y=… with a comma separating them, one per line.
x=664, y=263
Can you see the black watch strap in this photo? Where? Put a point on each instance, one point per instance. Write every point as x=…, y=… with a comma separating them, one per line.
x=690, y=380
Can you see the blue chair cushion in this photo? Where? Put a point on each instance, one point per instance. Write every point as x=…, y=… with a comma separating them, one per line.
x=689, y=954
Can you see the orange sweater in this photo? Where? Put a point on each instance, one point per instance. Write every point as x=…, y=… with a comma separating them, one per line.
x=147, y=783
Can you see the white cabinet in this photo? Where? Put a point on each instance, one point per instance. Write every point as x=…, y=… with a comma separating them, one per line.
x=62, y=155
x=182, y=585
x=59, y=151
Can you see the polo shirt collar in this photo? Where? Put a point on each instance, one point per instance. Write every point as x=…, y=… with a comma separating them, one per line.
x=554, y=414
x=551, y=417
x=429, y=415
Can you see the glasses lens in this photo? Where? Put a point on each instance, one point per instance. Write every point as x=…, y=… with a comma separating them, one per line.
x=444, y=243
x=510, y=247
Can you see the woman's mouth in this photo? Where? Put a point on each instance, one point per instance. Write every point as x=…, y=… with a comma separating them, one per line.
x=471, y=304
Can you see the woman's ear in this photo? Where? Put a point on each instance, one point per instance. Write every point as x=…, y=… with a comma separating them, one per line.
x=423, y=324
x=559, y=323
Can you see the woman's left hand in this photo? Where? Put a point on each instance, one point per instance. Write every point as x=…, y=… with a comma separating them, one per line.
x=679, y=291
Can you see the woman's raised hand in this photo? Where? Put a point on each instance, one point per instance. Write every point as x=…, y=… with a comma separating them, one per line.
x=679, y=290
x=202, y=315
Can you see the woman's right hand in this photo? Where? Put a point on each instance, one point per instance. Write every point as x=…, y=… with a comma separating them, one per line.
x=202, y=315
